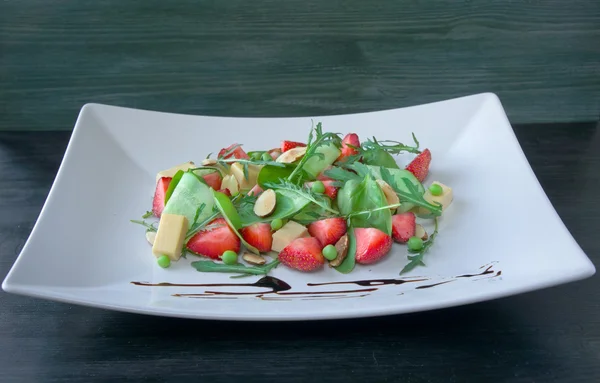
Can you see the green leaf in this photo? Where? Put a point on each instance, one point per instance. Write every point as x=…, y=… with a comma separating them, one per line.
x=379, y=157
x=317, y=199
x=358, y=196
x=287, y=205
x=417, y=258
x=273, y=174
x=409, y=193
x=350, y=260
x=389, y=146
x=174, y=181
x=148, y=214
x=339, y=174
x=232, y=217
x=214, y=267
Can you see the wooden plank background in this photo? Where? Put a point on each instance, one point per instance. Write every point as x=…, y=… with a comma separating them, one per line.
x=295, y=57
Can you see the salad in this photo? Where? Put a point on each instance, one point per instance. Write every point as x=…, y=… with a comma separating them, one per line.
x=330, y=200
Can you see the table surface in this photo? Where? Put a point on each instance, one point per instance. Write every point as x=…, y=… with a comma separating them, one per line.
x=543, y=336
x=295, y=57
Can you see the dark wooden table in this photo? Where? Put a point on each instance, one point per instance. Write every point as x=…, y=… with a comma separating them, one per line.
x=545, y=336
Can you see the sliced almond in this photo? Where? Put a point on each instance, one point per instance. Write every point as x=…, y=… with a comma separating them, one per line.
x=390, y=195
x=292, y=155
x=265, y=203
x=275, y=153
x=230, y=182
x=421, y=233
x=150, y=237
x=342, y=251
x=209, y=162
x=254, y=259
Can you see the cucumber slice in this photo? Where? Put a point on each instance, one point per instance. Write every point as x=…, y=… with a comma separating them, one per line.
x=398, y=175
x=316, y=165
x=188, y=195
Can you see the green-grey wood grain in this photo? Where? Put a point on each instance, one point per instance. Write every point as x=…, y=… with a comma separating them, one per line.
x=295, y=58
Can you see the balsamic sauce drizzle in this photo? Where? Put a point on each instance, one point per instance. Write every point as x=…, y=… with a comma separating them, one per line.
x=281, y=288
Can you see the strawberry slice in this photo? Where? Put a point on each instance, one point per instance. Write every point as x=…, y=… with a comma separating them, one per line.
x=214, y=240
x=258, y=235
x=371, y=245
x=420, y=165
x=347, y=151
x=158, y=203
x=330, y=190
x=287, y=145
x=303, y=254
x=255, y=191
x=328, y=231
x=229, y=152
x=213, y=180
x=403, y=227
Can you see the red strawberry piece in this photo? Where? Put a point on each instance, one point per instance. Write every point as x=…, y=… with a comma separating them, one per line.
x=328, y=231
x=420, y=165
x=287, y=145
x=303, y=254
x=258, y=235
x=238, y=152
x=158, y=203
x=214, y=240
x=255, y=191
x=371, y=245
x=275, y=153
x=403, y=227
x=225, y=191
x=213, y=180
x=347, y=151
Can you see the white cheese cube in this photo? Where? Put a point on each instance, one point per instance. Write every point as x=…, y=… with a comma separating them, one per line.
x=170, y=235
x=445, y=199
x=289, y=232
x=237, y=170
x=171, y=172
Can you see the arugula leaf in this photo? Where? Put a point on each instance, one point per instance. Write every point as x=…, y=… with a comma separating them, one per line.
x=202, y=225
x=287, y=205
x=357, y=196
x=350, y=260
x=148, y=214
x=173, y=184
x=409, y=193
x=320, y=138
x=312, y=213
x=317, y=199
x=148, y=226
x=232, y=217
x=214, y=267
x=417, y=258
x=230, y=150
x=390, y=146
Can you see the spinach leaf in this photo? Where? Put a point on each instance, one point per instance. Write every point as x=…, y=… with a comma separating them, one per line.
x=363, y=195
x=379, y=157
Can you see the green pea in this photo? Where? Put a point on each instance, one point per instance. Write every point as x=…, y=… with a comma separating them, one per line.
x=436, y=190
x=267, y=157
x=318, y=187
x=164, y=261
x=256, y=155
x=415, y=243
x=329, y=252
x=229, y=257
x=276, y=224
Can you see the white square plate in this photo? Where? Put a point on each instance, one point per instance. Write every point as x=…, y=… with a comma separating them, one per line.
x=501, y=225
